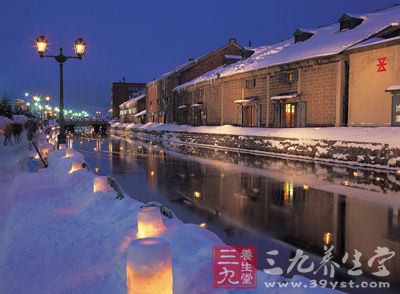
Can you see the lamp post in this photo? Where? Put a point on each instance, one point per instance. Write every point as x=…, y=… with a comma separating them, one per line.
x=79, y=48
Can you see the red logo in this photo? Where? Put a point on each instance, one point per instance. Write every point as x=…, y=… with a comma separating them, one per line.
x=381, y=64
x=234, y=267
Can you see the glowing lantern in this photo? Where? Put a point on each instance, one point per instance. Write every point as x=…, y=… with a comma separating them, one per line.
x=149, y=267
x=150, y=223
x=69, y=152
x=197, y=194
x=203, y=225
x=36, y=156
x=100, y=184
x=45, y=151
x=306, y=187
x=76, y=165
x=152, y=173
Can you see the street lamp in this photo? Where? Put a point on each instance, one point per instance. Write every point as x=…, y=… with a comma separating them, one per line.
x=79, y=48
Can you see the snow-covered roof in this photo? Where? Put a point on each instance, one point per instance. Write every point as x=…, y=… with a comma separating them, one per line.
x=326, y=41
x=131, y=102
x=374, y=41
x=143, y=112
x=285, y=96
x=193, y=61
x=393, y=88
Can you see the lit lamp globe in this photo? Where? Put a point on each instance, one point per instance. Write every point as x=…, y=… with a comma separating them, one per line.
x=149, y=222
x=41, y=45
x=148, y=267
x=80, y=47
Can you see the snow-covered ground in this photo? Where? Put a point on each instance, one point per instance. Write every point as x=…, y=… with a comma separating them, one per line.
x=58, y=236
x=383, y=135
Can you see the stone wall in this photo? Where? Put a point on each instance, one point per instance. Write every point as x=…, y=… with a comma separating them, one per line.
x=335, y=151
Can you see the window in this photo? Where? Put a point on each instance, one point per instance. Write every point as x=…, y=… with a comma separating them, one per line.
x=289, y=77
x=249, y=84
x=199, y=93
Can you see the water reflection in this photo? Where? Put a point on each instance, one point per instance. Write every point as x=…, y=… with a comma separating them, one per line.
x=241, y=198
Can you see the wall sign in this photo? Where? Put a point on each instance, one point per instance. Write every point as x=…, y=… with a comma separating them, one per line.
x=381, y=64
x=396, y=111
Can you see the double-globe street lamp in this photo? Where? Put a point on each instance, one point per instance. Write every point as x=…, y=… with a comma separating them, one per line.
x=79, y=48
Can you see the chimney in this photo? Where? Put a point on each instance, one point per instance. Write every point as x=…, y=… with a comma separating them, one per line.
x=250, y=43
x=123, y=80
x=190, y=59
x=232, y=40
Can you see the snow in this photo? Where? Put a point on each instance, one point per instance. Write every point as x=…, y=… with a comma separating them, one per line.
x=380, y=135
x=284, y=97
x=59, y=236
x=131, y=102
x=233, y=56
x=143, y=112
x=326, y=41
x=244, y=100
x=393, y=88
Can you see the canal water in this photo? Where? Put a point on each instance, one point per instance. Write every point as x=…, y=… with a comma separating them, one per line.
x=264, y=202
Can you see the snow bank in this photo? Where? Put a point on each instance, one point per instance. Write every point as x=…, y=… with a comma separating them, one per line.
x=61, y=237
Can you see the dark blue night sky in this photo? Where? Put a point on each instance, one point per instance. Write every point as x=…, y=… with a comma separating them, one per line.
x=140, y=40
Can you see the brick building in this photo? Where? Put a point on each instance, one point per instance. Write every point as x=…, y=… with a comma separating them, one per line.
x=133, y=110
x=374, y=81
x=303, y=81
x=122, y=91
x=161, y=103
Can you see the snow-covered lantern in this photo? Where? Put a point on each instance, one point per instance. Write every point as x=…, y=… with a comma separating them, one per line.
x=150, y=223
x=100, y=184
x=69, y=152
x=77, y=165
x=45, y=151
x=149, y=267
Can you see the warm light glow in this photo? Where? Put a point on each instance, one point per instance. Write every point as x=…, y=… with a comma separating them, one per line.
x=197, y=194
x=203, y=225
x=100, y=184
x=149, y=267
x=288, y=192
x=150, y=223
x=75, y=166
x=96, y=170
x=41, y=45
x=152, y=173
x=69, y=152
x=327, y=238
x=356, y=174
x=398, y=171
x=36, y=156
x=45, y=151
x=47, y=98
x=222, y=175
x=80, y=47
x=378, y=179
x=346, y=183
x=306, y=187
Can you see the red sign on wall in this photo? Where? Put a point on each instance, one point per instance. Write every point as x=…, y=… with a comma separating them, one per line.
x=381, y=64
x=234, y=267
